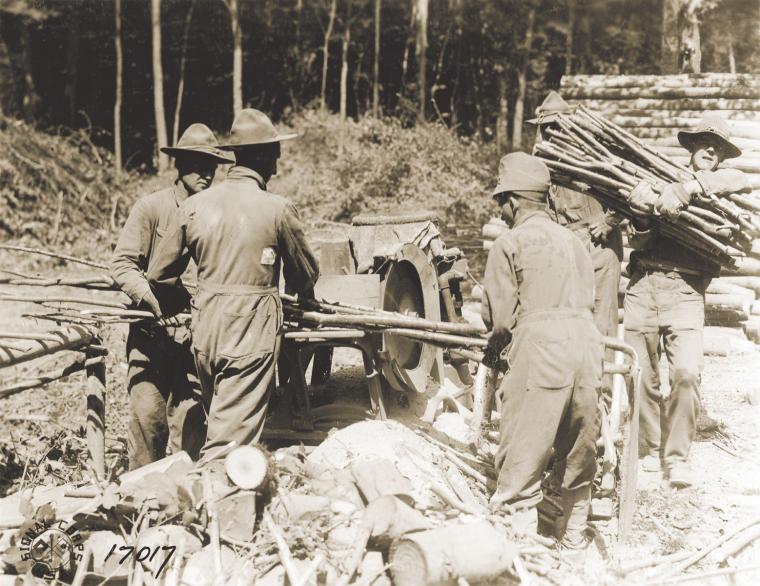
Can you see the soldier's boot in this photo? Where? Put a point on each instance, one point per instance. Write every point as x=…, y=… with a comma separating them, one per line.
x=576, y=504
x=525, y=521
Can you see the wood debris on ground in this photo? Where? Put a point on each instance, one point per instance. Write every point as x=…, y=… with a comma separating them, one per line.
x=375, y=502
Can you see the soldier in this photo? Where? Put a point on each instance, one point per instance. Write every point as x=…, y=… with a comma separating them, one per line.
x=538, y=297
x=596, y=227
x=239, y=235
x=665, y=299
x=163, y=406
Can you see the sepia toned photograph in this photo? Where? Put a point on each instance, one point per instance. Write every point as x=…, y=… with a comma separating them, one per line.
x=379, y=292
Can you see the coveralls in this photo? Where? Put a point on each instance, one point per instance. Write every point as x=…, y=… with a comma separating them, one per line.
x=163, y=390
x=575, y=210
x=239, y=235
x=665, y=299
x=539, y=288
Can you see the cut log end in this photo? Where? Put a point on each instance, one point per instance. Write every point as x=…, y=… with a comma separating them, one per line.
x=247, y=467
x=409, y=565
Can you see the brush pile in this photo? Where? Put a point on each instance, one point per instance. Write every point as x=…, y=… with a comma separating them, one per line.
x=57, y=188
x=588, y=153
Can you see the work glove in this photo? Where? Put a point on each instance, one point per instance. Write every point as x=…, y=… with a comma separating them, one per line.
x=642, y=199
x=492, y=354
x=672, y=200
x=601, y=225
x=150, y=303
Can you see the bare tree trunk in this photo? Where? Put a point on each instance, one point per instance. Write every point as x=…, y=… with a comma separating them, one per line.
x=407, y=46
x=571, y=9
x=421, y=47
x=376, y=62
x=503, y=115
x=182, y=65
x=669, y=37
x=299, y=11
x=731, y=57
x=31, y=100
x=690, y=50
x=158, y=84
x=326, y=53
x=72, y=70
x=237, y=58
x=344, y=63
x=522, y=80
x=117, y=101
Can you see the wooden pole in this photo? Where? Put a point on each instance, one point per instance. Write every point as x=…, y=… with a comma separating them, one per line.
x=43, y=379
x=70, y=338
x=96, y=413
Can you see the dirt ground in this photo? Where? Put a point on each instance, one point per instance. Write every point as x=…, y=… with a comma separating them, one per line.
x=42, y=441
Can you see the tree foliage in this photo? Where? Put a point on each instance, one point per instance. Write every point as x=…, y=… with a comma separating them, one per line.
x=474, y=56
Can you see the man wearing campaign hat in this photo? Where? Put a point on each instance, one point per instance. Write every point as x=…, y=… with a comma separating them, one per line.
x=538, y=300
x=665, y=301
x=596, y=226
x=164, y=406
x=239, y=235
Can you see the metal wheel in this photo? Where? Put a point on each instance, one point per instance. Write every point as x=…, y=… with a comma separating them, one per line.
x=410, y=286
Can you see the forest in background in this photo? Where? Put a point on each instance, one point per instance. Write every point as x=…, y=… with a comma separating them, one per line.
x=477, y=66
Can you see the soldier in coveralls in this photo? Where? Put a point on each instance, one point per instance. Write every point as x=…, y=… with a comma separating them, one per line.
x=240, y=236
x=538, y=298
x=665, y=302
x=164, y=406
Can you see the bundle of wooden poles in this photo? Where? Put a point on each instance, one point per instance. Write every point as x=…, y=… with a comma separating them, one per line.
x=588, y=153
x=299, y=313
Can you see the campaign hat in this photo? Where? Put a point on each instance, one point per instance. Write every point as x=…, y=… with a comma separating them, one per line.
x=198, y=139
x=552, y=105
x=711, y=129
x=252, y=127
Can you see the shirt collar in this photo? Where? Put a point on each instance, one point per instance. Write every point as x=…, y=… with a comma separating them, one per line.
x=180, y=192
x=531, y=215
x=240, y=172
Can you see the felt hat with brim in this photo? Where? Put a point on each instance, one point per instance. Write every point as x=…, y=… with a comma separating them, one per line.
x=553, y=104
x=252, y=127
x=199, y=140
x=523, y=175
x=710, y=130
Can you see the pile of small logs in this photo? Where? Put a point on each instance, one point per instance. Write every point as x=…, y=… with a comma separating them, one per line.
x=591, y=154
x=299, y=313
x=655, y=107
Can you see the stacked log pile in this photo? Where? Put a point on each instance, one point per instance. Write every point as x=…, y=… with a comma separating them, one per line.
x=655, y=107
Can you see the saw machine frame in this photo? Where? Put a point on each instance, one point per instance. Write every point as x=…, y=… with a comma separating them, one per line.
x=424, y=283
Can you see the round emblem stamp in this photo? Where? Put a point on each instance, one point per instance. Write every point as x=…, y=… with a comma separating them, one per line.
x=52, y=548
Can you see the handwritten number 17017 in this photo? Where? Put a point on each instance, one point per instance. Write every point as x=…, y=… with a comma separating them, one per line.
x=143, y=554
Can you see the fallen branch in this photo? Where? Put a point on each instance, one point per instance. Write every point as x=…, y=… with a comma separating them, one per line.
x=282, y=547
x=733, y=547
x=43, y=379
x=700, y=576
x=713, y=546
x=58, y=255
